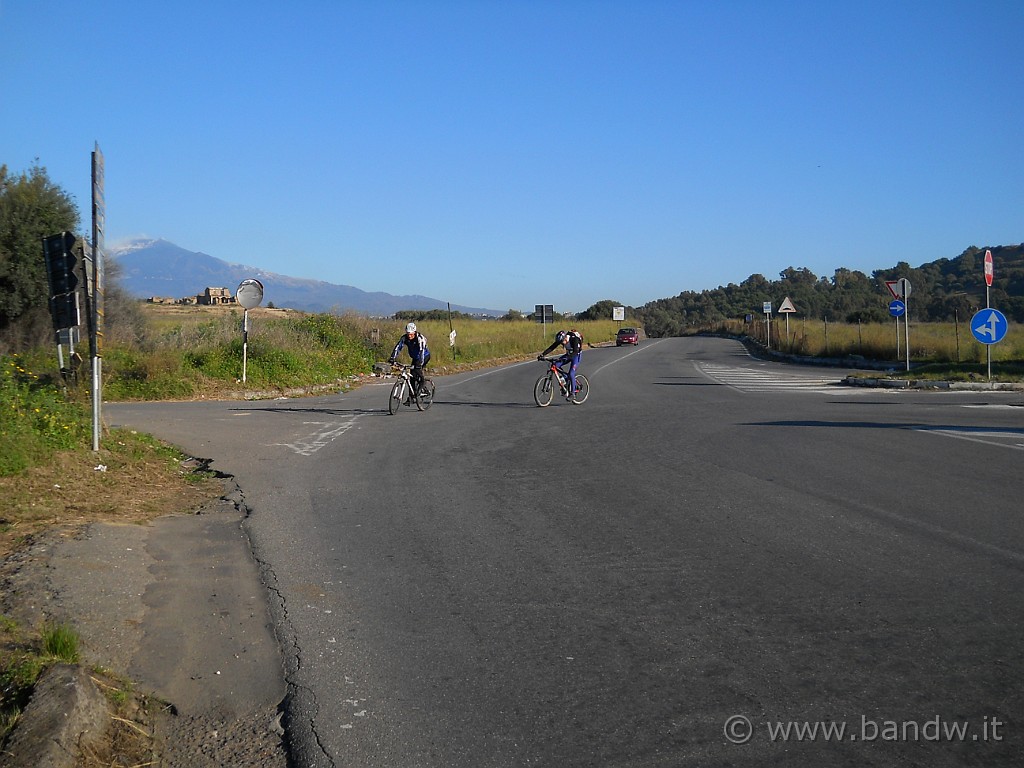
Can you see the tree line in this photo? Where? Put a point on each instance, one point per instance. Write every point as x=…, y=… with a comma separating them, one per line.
x=941, y=291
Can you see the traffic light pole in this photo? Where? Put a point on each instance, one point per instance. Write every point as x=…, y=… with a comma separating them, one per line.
x=99, y=226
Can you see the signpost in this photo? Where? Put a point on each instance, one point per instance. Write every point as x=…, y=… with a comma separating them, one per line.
x=544, y=314
x=905, y=293
x=900, y=291
x=787, y=308
x=618, y=314
x=990, y=326
x=249, y=295
x=766, y=307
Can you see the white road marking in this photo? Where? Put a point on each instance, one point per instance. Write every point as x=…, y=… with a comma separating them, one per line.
x=326, y=432
x=754, y=380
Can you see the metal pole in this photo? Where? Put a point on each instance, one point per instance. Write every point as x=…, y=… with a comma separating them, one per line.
x=97, y=377
x=245, y=341
x=451, y=328
x=906, y=329
x=988, y=347
x=956, y=324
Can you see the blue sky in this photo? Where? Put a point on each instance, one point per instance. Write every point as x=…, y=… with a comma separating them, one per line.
x=504, y=154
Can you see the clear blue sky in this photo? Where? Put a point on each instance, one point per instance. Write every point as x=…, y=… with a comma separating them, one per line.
x=503, y=154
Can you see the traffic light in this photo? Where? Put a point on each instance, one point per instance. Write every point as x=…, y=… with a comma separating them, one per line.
x=60, y=263
x=65, y=311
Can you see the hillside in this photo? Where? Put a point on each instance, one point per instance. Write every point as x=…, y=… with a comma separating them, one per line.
x=942, y=290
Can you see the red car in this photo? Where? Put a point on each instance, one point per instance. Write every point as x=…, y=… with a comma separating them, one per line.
x=626, y=336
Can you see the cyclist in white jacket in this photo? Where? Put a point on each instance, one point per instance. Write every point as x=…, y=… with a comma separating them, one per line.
x=416, y=343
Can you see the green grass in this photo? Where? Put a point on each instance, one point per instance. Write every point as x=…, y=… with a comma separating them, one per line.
x=60, y=642
x=36, y=416
x=202, y=354
x=23, y=657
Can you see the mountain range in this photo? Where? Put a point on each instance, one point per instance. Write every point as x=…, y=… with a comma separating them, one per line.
x=158, y=268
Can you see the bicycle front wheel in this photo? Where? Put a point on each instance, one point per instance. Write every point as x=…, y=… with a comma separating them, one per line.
x=426, y=396
x=543, y=390
x=582, y=389
x=397, y=395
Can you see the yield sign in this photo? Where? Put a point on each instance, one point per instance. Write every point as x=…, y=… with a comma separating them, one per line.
x=894, y=288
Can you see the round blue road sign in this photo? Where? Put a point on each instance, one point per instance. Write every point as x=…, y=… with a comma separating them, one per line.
x=989, y=326
x=897, y=308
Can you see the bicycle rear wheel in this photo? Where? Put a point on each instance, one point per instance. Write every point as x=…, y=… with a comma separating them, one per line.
x=426, y=396
x=395, y=401
x=544, y=390
x=582, y=389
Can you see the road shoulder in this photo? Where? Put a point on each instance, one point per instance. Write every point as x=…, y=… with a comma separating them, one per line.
x=178, y=607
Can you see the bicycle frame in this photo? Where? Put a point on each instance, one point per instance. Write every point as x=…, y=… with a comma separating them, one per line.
x=543, y=390
x=402, y=393
x=561, y=376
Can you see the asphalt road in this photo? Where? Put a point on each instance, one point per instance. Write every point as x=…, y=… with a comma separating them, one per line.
x=713, y=561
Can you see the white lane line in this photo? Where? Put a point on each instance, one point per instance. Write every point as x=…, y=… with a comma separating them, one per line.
x=487, y=373
x=647, y=345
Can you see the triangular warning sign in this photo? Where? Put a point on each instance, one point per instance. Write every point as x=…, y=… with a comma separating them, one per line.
x=787, y=306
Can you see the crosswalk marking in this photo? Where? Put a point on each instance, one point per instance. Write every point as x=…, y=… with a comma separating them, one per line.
x=755, y=380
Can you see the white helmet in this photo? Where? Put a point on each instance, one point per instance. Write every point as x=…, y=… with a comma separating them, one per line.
x=410, y=328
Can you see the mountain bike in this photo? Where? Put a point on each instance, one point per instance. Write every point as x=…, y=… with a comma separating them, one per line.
x=556, y=378
x=402, y=393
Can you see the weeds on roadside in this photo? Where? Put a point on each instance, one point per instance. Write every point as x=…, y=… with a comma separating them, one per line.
x=36, y=417
x=203, y=355
x=24, y=656
x=60, y=642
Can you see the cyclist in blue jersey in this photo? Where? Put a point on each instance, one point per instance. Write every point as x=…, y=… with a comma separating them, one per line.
x=572, y=342
x=416, y=343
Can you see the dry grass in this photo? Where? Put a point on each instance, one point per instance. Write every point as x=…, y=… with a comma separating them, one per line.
x=135, y=479
x=140, y=480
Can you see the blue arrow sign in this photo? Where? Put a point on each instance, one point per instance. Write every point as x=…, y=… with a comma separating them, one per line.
x=897, y=308
x=989, y=326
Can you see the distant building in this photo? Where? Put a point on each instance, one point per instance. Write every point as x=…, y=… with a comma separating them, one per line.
x=215, y=296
